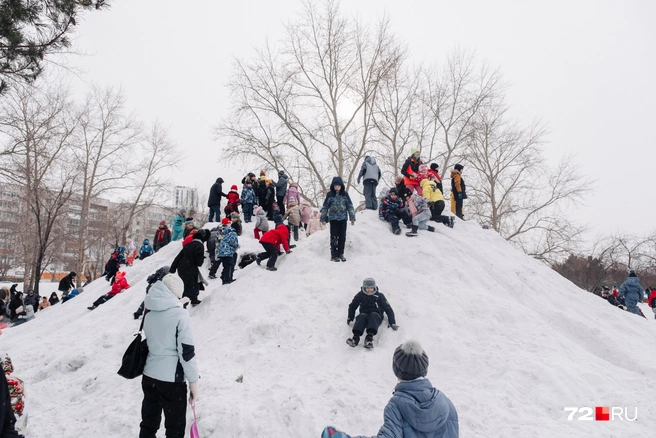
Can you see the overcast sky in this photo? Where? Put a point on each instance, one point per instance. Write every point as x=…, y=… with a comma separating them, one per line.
x=586, y=68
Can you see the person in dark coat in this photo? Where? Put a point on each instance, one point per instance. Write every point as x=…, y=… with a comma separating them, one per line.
x=458, y=191
x=337, y=209
x=7, y=417
x=269, y=199
x=261, y=188
x=162, y=237
x=67, y=283
x=214, y=200
x=371, y=174
x=372, y=304
x=14, y=304
x=606, y=295
x=12, y=291
x=31, y=299
x=410, y=171
x=281, y=190
x=54, y=299
x=391, y=210
x=187, y=262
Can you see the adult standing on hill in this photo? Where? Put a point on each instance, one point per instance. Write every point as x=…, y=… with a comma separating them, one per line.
x=410, y=171
x=458, y=191
x=178, y=224
x=632, y=293
x=337, y=209
x=187, y=262
x=162, y=236
x=370, y=173
x=214, y=200
x=281, y=190
x=67, y=283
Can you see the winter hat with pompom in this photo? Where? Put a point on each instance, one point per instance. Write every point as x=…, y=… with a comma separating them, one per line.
x=234, y=187
x=174, y=284
x=410, y=361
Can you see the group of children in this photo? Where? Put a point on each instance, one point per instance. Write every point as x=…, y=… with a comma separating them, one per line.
x=629, y=295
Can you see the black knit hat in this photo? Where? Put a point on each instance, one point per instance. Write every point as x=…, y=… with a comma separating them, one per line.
x=277, y=219
x=410, y=361
x=434, y=166
x=458, y=167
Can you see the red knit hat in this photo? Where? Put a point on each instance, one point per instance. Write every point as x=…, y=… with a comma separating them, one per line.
x=234, y=187
x=225, y=221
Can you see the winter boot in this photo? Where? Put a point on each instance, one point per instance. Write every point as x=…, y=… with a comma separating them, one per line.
x=452, y=221
x=354, y=341
x=258, y=260
x=92, y=307
x=271, y=268
x=431, y=229
x=342, y=258
x=412, y=233
x=369, y=341
x=195, y=302
x=335, y=259
x=397, y=231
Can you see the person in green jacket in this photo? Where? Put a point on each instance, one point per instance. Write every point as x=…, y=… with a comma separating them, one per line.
x=178, y=224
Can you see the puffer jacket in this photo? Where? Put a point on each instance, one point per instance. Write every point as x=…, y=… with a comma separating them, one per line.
x=248, y=196
x=171, y=351
x=178, y=223
x=389, y=205
x=421, y=203
x=306, y=211
x=458, y=184
x=187, y=261
x=229, y=243
x=631, y=289
x=261, y=222
x=294, y=215
x=281, y=184
x=314, y=225
x=44, y=304
x=292, y=193
x=278, y=236
x=430, y=191
x=337, y=206
x=417, y=410
x=375, y=302
x=410, y=168
x=369, y=171
x=119, y=286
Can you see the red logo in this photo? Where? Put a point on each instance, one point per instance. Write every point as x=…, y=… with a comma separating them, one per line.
x=602, y=413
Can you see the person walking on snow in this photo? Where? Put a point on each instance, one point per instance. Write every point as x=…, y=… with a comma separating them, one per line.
x=458, y=191
x=632, y=293
x=336, y=209
x=214, y=200
x=371, y=174
x=171, y=360
x=372, y=304
x=416, y=409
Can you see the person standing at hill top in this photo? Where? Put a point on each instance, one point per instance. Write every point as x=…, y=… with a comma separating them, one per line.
x=337, y=208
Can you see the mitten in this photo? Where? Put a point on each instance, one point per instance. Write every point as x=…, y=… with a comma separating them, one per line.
x=349, y=321
x=394, y=327
x=193, y=392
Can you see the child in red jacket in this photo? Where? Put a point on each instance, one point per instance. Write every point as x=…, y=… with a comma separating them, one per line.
x=652, y=301
x=119, y=286
x=271, y=241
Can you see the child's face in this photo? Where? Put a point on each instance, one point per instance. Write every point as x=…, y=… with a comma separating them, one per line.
x=315, y=214
x=369, y=290
x=235, y=219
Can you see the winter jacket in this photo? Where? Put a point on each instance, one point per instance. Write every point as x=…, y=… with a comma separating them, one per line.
x=119, y=286
x=44, y=304
x=389, y=205
x=292, y=193
x=237, y=227
x=232, y=207
x=232, y=196
x=631, y=289
x=216, y=192
x=187, y=261
x=314, y=225
x=281, y=185
x=306, y=211
x=162, y=238
x=261, y=189
x=652, y=298
x=7, y=417
x=248, y=196
x=178, y=223
x=269, y=196
x=171, y=351
x=73, y=294
x=278, y=236
x=214, y=240
x=430, y=191
x=54, y=299
x=375, y=302
x=145, y=250
x=337, y=206
x=294, y=215
x=261, y=222
x=27, y=314
x=31, y=300
x=369, y=171
x=66, y=283
x=14, y=304
x=229, y=243
x=420, y=203
x=417, y=410
x=411, y=168
x=611, y=299
x=458, y=184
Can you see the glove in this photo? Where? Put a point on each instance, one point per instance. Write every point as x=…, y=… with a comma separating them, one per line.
x=394, y=327
x=460, y=195
x=349, y=321
x=193, y=392
x=352, y=222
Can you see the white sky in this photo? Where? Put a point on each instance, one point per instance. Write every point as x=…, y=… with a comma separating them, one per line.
x=586, y=68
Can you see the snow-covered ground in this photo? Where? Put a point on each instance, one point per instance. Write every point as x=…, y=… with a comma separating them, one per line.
x=510, y=341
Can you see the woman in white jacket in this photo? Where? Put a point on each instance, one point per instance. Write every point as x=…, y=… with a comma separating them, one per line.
x=171, y=360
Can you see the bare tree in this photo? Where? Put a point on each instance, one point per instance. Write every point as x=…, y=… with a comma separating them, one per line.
x=39, y=127
x=307, y=108
x=103, y=154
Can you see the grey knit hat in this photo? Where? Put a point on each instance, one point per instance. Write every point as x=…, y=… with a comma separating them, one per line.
x=369, y=282
x=410, y=361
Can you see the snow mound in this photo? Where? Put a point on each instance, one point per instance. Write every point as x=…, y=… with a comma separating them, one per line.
x=510, y=342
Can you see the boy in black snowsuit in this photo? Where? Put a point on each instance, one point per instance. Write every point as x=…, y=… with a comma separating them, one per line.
x=372, y=304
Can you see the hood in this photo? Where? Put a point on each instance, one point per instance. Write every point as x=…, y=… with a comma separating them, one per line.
x=294, y=185
x=454, y=173
x=160, y=298
x=261, y=212
x=219, y=180
x=634, y=281
x=146, y=242
x=337, y=180
x=426, y=183
x=233, y=188
x=425, y=408
x=370, y=160
x=229, y=230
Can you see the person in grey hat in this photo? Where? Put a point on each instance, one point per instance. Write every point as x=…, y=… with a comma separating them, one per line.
x=416, y=409
x=372, y=304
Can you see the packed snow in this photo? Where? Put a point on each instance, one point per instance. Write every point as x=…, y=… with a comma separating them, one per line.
x=510, y=342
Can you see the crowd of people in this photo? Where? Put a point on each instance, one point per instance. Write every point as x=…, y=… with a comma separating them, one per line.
x=629, y=295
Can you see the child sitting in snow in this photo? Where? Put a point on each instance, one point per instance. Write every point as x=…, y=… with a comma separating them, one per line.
x=261, y=222
x=119, y=286
x=73, y=294
x=293, y=216
x=372, y=304
x=235, y=222
x=315, y=224
x=146, y=250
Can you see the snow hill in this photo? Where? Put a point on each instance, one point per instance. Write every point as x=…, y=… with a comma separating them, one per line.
x=510, y=342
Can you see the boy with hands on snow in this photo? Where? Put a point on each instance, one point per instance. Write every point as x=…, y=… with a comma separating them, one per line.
x=372, y=304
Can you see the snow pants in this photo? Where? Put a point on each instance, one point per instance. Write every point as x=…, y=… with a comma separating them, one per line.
x=393, y=218
x=421, y=220
x=103, y=299
x=215, y=213
x=367, y=321
x=456, y=205
x=281, y=205
x=271, y=253
x=228, y=268
x=167, y=396
x=337, y=238
x=370, y=199
x=248, y=211
x=631, y=303
x=436, y=209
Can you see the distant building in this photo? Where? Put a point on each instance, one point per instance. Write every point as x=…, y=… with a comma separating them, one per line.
x=187, y=198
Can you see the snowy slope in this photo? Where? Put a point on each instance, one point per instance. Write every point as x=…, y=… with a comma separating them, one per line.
x=509, y=340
